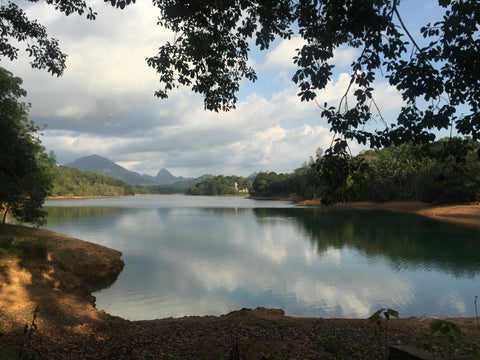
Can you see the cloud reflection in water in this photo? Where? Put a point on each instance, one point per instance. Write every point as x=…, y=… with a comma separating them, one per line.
x=211, y=260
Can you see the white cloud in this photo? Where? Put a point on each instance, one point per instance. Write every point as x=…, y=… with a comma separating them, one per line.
x=281, y=57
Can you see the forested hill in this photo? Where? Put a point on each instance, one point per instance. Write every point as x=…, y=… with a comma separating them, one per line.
x=221, y=185
x=71, y=182
x=405, y=172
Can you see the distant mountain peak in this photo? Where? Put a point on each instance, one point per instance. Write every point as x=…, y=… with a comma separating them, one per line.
x=101, y=165
x=164, y=172
x=165, y=177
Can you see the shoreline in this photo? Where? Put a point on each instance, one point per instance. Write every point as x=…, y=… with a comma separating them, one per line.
x=462, y=213
x=467, y=214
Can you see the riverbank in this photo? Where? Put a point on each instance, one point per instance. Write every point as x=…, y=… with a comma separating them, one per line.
x=465, y=214
x=51, y=277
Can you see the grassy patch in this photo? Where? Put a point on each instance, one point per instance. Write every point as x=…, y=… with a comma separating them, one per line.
x=10, y=352
x=334, y=347
x=22, y=247
x=265, y=324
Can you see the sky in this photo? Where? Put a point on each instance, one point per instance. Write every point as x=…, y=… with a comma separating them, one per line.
x=104, y=103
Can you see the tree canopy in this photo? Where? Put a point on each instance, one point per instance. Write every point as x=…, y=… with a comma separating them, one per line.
x=394, y=173
x=26, y=171
x=211, y=49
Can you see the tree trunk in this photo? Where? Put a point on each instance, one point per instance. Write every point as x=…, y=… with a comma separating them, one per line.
x=5, y=214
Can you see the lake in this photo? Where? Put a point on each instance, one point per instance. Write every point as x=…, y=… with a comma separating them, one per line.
x=188, y=255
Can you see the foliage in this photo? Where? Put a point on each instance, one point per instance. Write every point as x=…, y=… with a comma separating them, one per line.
x=444, y=327
x=212, y=44
x=23, y=247
x=221, y=185
x=16, y=27
x=403, y=172
x=377, y=318
x=450, y=333
x=387, y=313
x=392, y=172
x=450, y=180
x=26, y=171
x=76, y=182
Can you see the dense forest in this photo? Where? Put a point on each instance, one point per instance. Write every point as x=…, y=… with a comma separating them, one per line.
x=221, y=185
x=404, y=172
x=76, y=182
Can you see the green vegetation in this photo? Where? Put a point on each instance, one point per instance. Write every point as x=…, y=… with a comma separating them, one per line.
x=403, y=172
x=71, y=182
x=23, y=247
x=221, y=185
x=26, y=171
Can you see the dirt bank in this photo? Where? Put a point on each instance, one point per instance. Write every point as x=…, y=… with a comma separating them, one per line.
x=244, y=334
x=51, y=276
x=465, y=214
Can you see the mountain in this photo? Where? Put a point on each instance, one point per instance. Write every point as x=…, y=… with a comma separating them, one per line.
x=164, y=177
x=101, y=165
x=193, y=181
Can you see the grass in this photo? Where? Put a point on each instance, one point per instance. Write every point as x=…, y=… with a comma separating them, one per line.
x=334, y=346
x=10, y=352
x=22, y=247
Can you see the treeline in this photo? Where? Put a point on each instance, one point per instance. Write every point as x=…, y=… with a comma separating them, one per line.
x=221, y=185
x=76, y=182
x=405, y=172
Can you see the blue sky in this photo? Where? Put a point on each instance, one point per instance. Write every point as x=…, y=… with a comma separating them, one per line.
x=104, y=102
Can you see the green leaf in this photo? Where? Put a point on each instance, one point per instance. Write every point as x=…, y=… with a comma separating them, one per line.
x=376, y=316
x=443, y=326
x=392, y=312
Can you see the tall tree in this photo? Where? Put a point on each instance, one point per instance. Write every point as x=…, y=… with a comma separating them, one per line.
x=26, y=171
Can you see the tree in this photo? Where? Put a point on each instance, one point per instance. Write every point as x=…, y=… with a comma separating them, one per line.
x=26, y=171
x=438, y=81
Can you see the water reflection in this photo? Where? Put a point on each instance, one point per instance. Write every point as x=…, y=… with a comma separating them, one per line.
x=408, y=241
x=196, y=260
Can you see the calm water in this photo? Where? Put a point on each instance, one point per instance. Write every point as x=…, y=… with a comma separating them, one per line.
x=207, y=255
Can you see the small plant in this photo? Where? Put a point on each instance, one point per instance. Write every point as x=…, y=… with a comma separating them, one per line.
x=476, y=312
x=377, y=318
x=448, y=330
x=267, y=356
